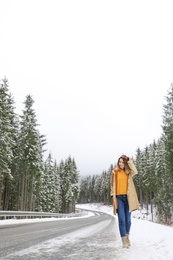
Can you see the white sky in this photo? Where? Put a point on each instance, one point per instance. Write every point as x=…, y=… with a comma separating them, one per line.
x=149, y=240
x=98, y=72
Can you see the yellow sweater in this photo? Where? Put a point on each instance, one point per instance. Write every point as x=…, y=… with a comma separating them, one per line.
x=121, y=182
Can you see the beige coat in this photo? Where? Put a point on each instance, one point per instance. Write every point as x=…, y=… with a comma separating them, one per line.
x=131, y=191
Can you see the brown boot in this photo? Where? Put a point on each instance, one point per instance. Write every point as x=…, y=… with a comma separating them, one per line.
x=128, y=240
x=125, y=242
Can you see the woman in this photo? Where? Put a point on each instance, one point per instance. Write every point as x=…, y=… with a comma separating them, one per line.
x=124, y=195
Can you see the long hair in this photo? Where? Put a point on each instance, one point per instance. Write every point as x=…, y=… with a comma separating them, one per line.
x=126, y=167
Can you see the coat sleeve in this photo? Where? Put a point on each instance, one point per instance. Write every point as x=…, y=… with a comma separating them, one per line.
x=132, y=167
x=111, y=183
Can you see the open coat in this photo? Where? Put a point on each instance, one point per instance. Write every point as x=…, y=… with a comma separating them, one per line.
x=131, y=191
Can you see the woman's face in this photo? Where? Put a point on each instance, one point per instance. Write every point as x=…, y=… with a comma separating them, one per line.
x=121, y=163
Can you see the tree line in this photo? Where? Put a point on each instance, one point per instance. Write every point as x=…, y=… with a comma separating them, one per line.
x=154, y=182
x=27, y=181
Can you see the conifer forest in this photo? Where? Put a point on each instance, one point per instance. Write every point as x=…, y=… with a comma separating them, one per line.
x=154, y=181
x=28, y=182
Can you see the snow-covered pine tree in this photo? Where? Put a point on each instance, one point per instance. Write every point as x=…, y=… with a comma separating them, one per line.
x=104, y=187
x=152, y=148
x=108, y=174
x=90, y=189
x=139, y=177
x=69, y=184
x=167, y=126
x=48, y=190
x=74, y=182
x=97, y=188
x=63, y=186
x=58, y=197
x=30, y=158
x=83, y=198
x=70, y=180
x=8, y=132
x=160, y=175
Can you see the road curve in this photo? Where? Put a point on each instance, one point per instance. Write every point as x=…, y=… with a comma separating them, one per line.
x=81, y=238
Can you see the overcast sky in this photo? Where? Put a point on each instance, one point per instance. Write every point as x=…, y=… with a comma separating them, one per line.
x=98, y=72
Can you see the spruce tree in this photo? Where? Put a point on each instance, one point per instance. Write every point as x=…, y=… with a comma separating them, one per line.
x=138, y=180
x=8, y=132
x=167, y=126
x=58, y=196
x=48, y=190
x=30, y=154
x=70, y=184
x=83, y=191
x=97, y=188
x=109, y=172
x=159, y=178
x=63, y=186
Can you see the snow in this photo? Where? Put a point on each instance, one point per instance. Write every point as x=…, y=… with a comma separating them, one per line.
x=149, y=240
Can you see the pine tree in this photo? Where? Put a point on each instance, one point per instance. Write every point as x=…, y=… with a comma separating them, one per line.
x=30, y=162
x=83, y=192
x=58, y=197
x=70, y=184
x=109, y=172
x=159, y=177
x=97, y=188
x=167, y=127
x=63, y=186
x=8, y=131
x=74, y=183
x=91, y=192
x=48, y=191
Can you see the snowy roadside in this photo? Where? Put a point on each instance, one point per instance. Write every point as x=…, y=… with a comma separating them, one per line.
x=13, y=221
x=149, y=240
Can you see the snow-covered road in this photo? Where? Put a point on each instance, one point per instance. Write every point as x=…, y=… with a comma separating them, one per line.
x=97, y=240
x=89, y=239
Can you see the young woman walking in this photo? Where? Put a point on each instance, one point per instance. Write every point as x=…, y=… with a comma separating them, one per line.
x=124, y=195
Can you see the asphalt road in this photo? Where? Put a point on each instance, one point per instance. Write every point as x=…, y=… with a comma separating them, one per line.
x=81, y=238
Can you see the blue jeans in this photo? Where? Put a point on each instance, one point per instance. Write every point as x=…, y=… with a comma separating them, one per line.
x=124, y=216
